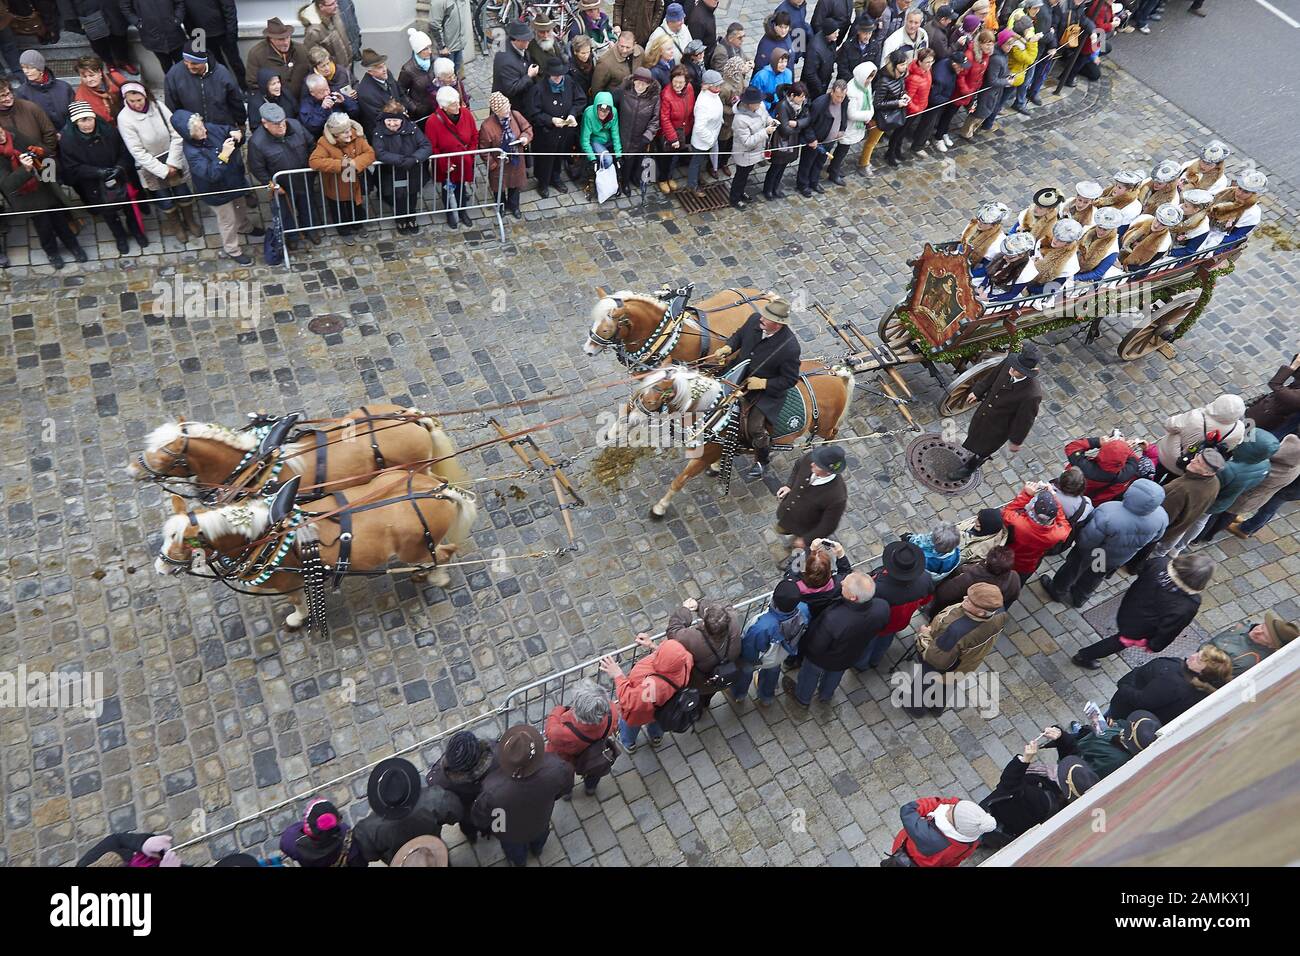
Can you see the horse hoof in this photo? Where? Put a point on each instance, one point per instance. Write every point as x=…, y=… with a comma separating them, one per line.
x=291, y=625
x=657, y=513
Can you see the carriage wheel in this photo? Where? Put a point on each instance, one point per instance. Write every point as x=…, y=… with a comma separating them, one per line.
x=893, y=333
x=954, y=399
x=1165, y=317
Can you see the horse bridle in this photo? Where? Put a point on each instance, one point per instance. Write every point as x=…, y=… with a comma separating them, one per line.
x=194, y=544
x=177, y=458
x=663, y=388
x=621, y=323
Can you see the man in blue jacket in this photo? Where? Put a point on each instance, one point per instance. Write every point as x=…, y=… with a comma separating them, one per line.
x=782, y=624
x=200, y=86
x=1107, y=539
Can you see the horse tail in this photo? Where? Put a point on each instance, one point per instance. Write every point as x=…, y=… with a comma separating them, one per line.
x=448, y=468
x=466, y=514
x=845, y=374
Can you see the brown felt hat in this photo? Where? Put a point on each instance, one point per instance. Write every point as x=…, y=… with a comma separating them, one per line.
x=1284, y=632
x=777, y=310
x=371, y=58
x=521, y=750
x=275, y=27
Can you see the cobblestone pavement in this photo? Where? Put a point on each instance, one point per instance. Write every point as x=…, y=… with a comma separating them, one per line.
x=212, y=706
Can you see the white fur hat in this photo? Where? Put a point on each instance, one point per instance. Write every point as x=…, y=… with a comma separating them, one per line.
x=1107, y=217
x=992, y=212
x=1168, y=214
x=1019, y=243
x=1067, y=230
x=1215, y=151
x=1088, y=189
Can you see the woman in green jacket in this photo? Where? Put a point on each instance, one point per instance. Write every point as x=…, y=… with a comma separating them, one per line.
x=599, y=137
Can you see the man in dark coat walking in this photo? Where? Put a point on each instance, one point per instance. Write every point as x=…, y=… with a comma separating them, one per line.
x=1009, y=401
x=519, y=796
x=813, y=500
x=769, y=345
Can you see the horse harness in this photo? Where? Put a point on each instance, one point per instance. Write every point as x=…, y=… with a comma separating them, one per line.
x=323, y=440
x=661, y=341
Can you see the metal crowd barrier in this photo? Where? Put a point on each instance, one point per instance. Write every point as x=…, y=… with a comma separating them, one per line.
x=259, y=832
x=388, y=194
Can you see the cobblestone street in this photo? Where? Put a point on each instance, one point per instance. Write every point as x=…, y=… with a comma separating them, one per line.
x=212, y=706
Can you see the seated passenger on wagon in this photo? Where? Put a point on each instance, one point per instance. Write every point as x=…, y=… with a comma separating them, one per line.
x=1195, y=228
x=1206, y=171
x=1150, y=237
x=1236, y=210
x=1123, y=194
x=1053, y=266
x=1084, y=203
x=1039, y=217
x=1099, y=247
x=983, y=235
x=1002, y=275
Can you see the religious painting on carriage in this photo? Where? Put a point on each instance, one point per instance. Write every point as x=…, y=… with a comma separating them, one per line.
x=941, y=297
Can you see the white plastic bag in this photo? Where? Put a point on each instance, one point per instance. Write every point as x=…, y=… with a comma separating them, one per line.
x=606, y=182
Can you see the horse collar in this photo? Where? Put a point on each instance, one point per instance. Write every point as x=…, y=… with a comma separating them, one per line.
x=659, y=343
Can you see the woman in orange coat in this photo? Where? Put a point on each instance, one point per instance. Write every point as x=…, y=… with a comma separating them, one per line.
x=652, y=683
x=342, y=156
x=506, y=129
x=588, y=720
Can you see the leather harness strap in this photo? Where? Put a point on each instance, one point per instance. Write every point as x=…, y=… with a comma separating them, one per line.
x=322, y=446
x=374, y=445
x=344, y=560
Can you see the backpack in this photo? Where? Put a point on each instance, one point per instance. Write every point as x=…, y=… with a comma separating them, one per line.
x=1210, y=439
x=679, y=712
x=597, y=759
x=724, y=673
x=1064, y=546
x=792, y=630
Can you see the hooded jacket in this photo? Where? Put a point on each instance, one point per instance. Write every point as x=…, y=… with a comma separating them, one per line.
x=1108, y=472
x=646, y=687
x=1029, y=539
x=287, y=101
x=748, y=137
x=327, y=159
x=798, y=25
x=861, y=103
x=1283, y=469
x=1223, y=415
x=207, y=172
x=1247, y=468
x=1123, y=528
x=599, y=130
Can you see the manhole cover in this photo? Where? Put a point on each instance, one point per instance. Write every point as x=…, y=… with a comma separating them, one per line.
x=710, y=198
x=326, y=324
x=931, y=460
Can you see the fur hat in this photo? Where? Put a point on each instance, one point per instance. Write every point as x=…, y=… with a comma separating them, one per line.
x=1200, y=198
x=1067, y=230
x=1107, y=217
x=1087, y=189
x=1019, y=244
x=1251, y=180
x=992, y=213
x=1128, y=177
x=1215, y=152
x=1169, y=215
x=1166, y=171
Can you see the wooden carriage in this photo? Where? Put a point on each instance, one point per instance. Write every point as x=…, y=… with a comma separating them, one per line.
x=944, y=321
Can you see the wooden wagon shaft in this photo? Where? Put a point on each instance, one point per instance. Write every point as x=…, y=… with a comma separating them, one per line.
x=542, y=456
x=880, y=364
x=564, y=512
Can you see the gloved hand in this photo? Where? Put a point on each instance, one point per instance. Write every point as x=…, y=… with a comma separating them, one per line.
x=754, y=383
x=110, y=172
x=721, y=354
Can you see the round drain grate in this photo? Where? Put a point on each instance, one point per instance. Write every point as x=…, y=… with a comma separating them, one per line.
x=326, y=324
x=931, y=460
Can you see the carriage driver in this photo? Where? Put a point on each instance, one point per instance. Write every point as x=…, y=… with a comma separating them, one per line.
x=772, y=349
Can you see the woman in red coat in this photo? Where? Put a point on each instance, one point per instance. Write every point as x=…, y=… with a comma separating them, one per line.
x=940, y=831
x=1035, y=522
x=450, y=129
x=652, y=683
x=676, y=118
x=589, y=719
x=971, y=78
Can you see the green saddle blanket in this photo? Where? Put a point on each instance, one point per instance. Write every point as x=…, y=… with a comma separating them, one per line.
x=793, y=417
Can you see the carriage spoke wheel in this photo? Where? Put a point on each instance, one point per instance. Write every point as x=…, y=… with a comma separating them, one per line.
x=1165, y=317
x=893, y=333
x=954, y=400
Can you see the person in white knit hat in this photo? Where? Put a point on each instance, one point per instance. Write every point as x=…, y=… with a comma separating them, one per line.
x=416, y=77
x=939, y=831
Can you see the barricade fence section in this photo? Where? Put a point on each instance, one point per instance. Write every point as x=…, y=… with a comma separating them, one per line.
x=456, y=185
x=226, y=830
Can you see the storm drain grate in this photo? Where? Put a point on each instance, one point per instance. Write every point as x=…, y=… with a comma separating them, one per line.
x=706, y=200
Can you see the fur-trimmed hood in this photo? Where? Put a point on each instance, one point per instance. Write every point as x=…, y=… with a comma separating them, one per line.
x=328, y=136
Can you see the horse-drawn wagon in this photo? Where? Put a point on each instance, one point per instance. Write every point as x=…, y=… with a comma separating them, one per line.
x=944, y=320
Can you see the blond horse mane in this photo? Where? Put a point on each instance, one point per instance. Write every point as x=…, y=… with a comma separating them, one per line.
x=249, y=519
x=164, y=435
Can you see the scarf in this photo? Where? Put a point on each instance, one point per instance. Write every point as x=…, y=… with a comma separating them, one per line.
x=1189, y=224
x=1117, y=195
x=1198, y=178
x=1039, y=226
x=1158, y=195
x=1093, y=248
x=508, y=140
x=978, y=241
x=1082, y=217
x=422, y=63
x=1050, y=262
x=1225, y=213
x=1141, y=244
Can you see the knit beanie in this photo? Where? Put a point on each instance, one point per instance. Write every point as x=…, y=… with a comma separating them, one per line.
x=972, y=821
x=785, y=596
x=32, y=58
x=418, y=40
x=989, y=521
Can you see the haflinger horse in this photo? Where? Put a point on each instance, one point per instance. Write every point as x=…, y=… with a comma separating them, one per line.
x=825, y=391
x=647, y=331
x=410, y=517
x=343, y=453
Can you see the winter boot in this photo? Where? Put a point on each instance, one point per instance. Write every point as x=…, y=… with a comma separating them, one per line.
x=191, y=217
x=969, y=129
x=460, y=202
